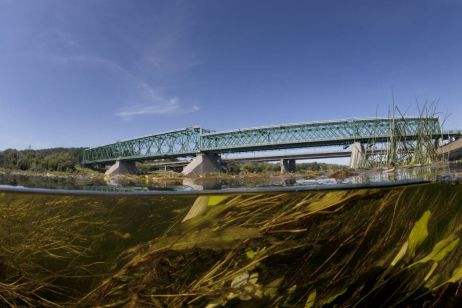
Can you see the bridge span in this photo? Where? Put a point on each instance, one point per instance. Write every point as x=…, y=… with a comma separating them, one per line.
x=267, y=158
x=207, y=145
x=282, y=158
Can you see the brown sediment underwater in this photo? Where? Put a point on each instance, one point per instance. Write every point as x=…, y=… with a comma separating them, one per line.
x=390, y=246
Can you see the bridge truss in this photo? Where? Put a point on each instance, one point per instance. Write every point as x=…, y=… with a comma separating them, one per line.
x=178, y=143
x=318, y=134
x=190, y=141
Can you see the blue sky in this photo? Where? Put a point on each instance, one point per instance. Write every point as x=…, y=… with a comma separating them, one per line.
x=90, y=72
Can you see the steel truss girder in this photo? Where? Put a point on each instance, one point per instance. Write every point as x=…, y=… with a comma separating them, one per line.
x=183, y=142
x=189, y=141
x=318, y=134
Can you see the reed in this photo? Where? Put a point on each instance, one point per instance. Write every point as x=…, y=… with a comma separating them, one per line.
x=398, y=150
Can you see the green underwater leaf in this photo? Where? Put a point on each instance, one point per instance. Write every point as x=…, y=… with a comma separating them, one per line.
x=333, y=297
x=430, y=272
x=198, y=208
x=440, y=250
x=418, y=233
x=250, y=253
x=271, y=289
x=214, y=200
x=400, y=254
x=456, y=275
x=311, y=299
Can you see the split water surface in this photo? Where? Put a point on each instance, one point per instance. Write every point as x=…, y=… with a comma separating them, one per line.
x=380, y=243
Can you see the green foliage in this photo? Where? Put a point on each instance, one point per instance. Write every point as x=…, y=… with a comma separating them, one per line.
x=55, y=159
x=419, y=233
x=264, y=167
x=311, y=299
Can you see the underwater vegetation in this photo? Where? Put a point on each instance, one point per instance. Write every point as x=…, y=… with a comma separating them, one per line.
x=55, y=248
x=390, y=246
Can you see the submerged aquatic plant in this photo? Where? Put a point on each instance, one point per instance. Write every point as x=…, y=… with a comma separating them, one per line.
x=55, y=248
x=359, y=247
x=355, y=247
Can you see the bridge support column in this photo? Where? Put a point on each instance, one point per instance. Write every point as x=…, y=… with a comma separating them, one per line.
x=122, y=167
x=452, y=150
x=288, y=165
x=203, y=164
x=358, y=156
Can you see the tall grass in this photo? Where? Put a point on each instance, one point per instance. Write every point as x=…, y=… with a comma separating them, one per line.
x=399, y=149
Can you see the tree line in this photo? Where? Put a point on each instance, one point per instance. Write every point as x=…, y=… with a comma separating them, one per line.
x=265, y=167
x=67, y=159
x=54, y=159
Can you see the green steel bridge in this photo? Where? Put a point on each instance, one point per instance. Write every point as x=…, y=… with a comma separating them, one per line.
x=191, y=141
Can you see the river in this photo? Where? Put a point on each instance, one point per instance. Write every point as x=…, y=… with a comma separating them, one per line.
x=375, y=238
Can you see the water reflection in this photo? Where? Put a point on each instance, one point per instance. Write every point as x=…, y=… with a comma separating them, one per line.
x=427, y=173
x=202, y=183
x=45, y=181
x=115, y=188
x=443, y=172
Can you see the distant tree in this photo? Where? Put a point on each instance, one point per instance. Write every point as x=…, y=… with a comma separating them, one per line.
x=54, y=159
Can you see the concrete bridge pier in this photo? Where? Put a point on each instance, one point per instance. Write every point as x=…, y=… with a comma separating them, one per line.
x=203, y=164
x=358, y=156
x=288, y=165
x=122, y=167
x=452, y=150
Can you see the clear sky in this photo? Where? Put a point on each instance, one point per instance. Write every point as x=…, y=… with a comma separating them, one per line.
x=90, y=72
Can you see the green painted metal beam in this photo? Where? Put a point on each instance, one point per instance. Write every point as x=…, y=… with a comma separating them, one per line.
x=318, y=134
x=178, y=143
x=189, y=141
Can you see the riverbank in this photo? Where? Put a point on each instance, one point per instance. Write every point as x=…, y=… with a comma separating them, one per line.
x=78, y=173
